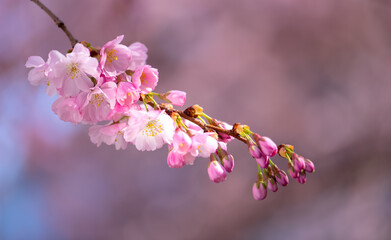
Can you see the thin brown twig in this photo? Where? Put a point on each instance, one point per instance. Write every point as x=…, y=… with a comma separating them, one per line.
x=203, y=125
x=58, y=22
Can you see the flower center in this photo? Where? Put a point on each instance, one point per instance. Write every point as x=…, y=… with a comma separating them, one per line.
x=97, y=99
x=142, y=78
x=111, y=55
x=73, y=70
x=152, y=128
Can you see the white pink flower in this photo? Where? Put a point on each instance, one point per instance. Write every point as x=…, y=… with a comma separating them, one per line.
x=145, y=78
x=70, y=74
x=127, y=93
x=97, y=103
x=139, y=55
x=115, y=57
x=67, y=109
x=39, y=74
x=109, y=134
x=203, y=145
x=149, y=130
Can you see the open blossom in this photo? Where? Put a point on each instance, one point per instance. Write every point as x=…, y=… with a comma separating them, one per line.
x=139, y=55
x=145, y=78
x=97, y=104
x=115, y=57
x=67, y=109
x=181, y=142
x=149, y=130
x=203, y=145
x=39, y=74
x=127, y=93
x=71, y=73
x=109, y=134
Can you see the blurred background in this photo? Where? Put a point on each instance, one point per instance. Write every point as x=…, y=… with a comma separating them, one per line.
x=315, y=74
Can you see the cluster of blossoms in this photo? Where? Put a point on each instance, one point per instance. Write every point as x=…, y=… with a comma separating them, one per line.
x=111, y=89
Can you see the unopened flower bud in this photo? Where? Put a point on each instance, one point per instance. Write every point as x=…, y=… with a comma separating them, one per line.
x=298, y=162
x=216, y=172
x=282, y=178
x=302, y=178
x=268, y=147
x=228, y=163
x=176, y=97
x=309, y=166
x=194, y=111
x=272, y=185
x=254, y=150
x=259, y=191
x=292, y=172
x=263, y=161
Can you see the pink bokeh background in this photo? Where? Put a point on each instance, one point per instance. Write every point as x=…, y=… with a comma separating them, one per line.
x=315, y=74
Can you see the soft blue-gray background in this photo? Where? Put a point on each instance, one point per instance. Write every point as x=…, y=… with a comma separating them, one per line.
x=315, y=74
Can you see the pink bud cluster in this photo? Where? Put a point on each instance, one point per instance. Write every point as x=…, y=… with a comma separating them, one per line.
x=111, y=89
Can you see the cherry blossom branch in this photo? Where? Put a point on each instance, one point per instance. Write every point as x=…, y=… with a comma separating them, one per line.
x=108, y=83
x=58, y=22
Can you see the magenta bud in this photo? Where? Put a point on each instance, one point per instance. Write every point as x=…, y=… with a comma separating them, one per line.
x=268, y=147
x=254, y=150
x=309, y=166
x=292, y=172
x=282, y=178
x=216, y=172
x=259, y=191
x=302, y=178
x=272, y=185
x=228, y=163
x=298, y=163
x=175, y=160
x=263, y=161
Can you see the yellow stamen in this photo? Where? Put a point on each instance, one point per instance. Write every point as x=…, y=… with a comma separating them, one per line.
x=73, y=70
x=152, y=129
x=111, y=56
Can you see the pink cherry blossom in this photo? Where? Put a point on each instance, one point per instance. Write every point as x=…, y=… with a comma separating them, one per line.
x=115, y=57
x=67, y=109
x=39, y=74
x=149, y=130
x=97, y=104
x=127, y=93
x=71, y=73
x=109, y=134
x=181, y=142
x=145, y=78
x=203, y=145
x=175, y=159
x=176, y=97
x=139, y=55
